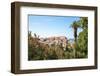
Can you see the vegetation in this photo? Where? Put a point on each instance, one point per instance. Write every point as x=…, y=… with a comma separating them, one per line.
x=83, y=37
x=81, y=43
x=75, y=25
x=78, y=49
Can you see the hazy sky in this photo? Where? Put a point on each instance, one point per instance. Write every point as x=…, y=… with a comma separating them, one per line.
x=47, y=26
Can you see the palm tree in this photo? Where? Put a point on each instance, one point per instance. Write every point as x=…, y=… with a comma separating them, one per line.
x=75, y=25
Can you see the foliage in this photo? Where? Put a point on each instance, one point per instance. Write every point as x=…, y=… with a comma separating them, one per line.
x=78, y=49
x=84, y=22
x=81, y=43
x=75, y=25
x=83, y=37
x=40, y=51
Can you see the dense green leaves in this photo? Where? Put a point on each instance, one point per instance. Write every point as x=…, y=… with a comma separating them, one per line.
x=81, y=42
x=83, y=37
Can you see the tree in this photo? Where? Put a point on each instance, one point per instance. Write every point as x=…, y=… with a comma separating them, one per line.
x=84, y=22
x=81, y=41
x=83, y=37
x=75, y=25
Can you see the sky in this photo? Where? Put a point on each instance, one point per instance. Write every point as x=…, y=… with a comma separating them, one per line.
x=47, y=26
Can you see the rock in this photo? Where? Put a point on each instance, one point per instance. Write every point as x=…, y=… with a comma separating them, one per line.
x=61, y=40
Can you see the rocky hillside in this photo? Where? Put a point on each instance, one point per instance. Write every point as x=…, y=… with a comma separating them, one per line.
x=61, y=40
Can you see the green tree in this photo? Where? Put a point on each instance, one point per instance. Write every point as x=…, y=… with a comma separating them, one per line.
x=83, y=41
x=83, y=22
x=83, y=37
x=75, y=25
